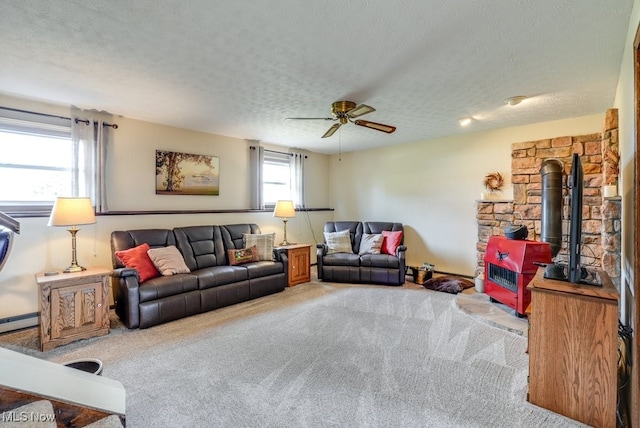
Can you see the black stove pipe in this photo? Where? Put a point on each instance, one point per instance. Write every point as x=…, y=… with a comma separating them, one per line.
x=551, y=220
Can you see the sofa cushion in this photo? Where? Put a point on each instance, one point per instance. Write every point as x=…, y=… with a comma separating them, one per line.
x=371, y=243
x=232, y=234
x=220, y=275
x=263, y=241
x=168, y=260
x=165, y=286
x=341, y=259
x=201, y=246
x=243, y=255
x=379, y=226
x=338, y=242
x=355, y=231
x=386, y=261
x=263, y=268
x=125, y=239
x=137, y=258
x=392, y=241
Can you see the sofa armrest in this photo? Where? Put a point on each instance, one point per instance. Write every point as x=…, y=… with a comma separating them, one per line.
x=126, y=296
x=321, y=251
x=282, y=256
x=278, y=254
x=125, y=272
x=402, y=268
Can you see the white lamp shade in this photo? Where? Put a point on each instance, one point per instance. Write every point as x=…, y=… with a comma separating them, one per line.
x=284, y=209
x=72, y=212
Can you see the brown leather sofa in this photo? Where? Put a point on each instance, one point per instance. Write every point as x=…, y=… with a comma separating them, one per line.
x=384, y=269
x=211, y=284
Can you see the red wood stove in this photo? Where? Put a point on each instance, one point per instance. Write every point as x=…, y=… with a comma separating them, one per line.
x=509, y=267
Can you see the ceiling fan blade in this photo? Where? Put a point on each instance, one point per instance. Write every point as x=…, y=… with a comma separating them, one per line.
x=331, y=130
x=377, y=126
x=310, y=118
x=360, y=110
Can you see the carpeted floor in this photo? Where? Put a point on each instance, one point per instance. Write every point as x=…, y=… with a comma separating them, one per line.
x=317, y=355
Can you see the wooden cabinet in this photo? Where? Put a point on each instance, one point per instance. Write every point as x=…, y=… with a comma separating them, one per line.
x=73, y=306
x=299, y=263
x=573, y=345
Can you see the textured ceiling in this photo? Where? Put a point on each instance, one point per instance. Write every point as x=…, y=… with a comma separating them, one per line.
x=239, y=68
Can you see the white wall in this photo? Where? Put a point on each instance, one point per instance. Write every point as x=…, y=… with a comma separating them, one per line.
x=432, y=187
x=131, y=187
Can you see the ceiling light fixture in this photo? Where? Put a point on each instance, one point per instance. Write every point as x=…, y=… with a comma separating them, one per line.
x=465, y=121
x=514, y=101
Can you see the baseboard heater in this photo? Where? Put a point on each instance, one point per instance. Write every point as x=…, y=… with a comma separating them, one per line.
x=18, y=322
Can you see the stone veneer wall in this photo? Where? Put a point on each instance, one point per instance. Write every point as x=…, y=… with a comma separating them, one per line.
x=601, y=226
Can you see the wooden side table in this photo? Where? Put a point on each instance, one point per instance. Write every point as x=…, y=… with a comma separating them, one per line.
x=73, y=306
x=299, y=263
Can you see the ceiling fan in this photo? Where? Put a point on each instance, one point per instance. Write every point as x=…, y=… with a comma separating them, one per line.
x=346, y=111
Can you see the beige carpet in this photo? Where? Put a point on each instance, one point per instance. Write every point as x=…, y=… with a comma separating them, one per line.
x=318, y=354
x=474, y=304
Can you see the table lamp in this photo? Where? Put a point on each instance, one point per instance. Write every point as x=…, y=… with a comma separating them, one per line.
x=72, y=212
x=284, y=210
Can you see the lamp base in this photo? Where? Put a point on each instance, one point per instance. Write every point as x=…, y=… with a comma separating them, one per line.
x=74, y=268
x=285, y=243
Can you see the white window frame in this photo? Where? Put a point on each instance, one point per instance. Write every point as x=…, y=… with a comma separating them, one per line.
x=21, y=122
x=278, y=160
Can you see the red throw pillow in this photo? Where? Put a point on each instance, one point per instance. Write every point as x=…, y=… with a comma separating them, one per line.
x=138, y=259
x=391, y=241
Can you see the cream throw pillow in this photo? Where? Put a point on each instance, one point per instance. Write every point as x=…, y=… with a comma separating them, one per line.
x=168, y=260
x=263, y=241
x=371, y=243
x=338, y=242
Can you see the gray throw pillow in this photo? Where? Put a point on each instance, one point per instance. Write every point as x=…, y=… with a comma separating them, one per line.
x=371, y=243
x=168, y=260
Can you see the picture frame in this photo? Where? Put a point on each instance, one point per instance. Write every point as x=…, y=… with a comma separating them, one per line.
x=180, y=173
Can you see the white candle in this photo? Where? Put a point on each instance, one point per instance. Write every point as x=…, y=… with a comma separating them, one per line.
x=610, y=191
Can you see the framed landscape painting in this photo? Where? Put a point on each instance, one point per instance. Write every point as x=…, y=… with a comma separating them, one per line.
x=187, y=174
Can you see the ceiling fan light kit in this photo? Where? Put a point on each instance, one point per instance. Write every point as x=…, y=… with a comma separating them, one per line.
x=344, y=112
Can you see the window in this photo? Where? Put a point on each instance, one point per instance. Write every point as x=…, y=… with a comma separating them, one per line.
x=38, y=161
x=276, y=178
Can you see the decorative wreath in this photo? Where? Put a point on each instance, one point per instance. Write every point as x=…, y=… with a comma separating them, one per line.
x=493, y=182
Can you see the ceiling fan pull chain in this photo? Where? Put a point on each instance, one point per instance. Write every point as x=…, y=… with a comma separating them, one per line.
x=339, y=146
